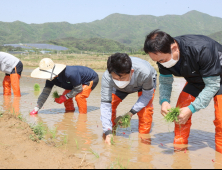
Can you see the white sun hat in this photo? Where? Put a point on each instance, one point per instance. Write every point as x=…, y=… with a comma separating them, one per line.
x=47, y=69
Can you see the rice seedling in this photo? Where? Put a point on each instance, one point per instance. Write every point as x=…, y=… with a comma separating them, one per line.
x=94, y=153
x=125, y=121
x=65, y=140
x=55, y=94
x=112, y=141
x=117, y=164
x=36, y=87
x=53, y=132
x=39, y=130
x=77, y=144
x=172, y=115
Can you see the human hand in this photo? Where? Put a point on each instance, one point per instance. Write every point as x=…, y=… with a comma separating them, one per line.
x=61, y=99
x=185, y=114
x=165, y=108
x=35, y=111
x=108, y=139
x=118, y=119
x=129, y=113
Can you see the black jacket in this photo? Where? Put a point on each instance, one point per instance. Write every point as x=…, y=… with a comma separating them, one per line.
x=200, y=57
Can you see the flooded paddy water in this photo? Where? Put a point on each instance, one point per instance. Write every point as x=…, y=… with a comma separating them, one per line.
x=83, y=133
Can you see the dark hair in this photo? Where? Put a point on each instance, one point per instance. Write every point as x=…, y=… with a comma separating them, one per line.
x=119, y=63
x=158, y=41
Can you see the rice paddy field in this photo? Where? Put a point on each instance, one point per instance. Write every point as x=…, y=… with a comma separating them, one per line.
x=81, y=135
x=96, y=61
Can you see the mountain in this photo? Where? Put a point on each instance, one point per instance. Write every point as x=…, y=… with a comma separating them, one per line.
x=127, y=29
x=216, y=36
x=92, y=44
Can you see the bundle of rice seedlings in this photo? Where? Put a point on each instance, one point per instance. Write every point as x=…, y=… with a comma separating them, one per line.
x=36, y=87
x=172, y=115
x=55, y=95
x=125, y=121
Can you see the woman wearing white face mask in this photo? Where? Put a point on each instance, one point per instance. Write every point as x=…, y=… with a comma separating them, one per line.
x=198, y=59
x=127, y=75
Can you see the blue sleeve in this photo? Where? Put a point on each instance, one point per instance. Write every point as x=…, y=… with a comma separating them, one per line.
x=212, y=85
x=49, y=84
x=165, y=87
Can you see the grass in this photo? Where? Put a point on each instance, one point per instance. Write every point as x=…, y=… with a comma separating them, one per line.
x=33, y=138
x=39, y=130
x=55, y=94
x=94, y=153
x=125, y=121
x=1, y=114
x=20, y=117
x=172, y=115
x=36, y=87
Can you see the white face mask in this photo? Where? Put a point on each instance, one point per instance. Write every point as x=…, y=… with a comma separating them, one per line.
x=122, y=84
x=171, y=62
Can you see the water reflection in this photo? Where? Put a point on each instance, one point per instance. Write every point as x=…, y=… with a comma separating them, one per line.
x=12, y=105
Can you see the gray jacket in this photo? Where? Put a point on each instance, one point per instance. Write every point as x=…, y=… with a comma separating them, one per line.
x=143, y=78
x=7, y=62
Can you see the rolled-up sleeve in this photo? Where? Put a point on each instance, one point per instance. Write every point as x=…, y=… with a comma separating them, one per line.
x=106, y=107
x=212, y=85
x=106, y=114
x=165, y=87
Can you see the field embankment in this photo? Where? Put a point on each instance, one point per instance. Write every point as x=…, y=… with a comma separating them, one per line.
x=18, y=151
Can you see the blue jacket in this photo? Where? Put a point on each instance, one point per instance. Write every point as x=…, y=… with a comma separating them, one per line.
x=73, y=76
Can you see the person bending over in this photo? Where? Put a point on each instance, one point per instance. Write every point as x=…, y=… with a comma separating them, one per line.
x=78, y=82
x=125, y=75
x=12, y=67
x=198, y=59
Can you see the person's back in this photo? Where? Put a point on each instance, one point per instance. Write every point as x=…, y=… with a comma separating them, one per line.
x=78, y=82
x=7, y=62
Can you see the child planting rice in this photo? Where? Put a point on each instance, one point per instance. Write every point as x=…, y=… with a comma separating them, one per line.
x=172, y=115
x=36, y=87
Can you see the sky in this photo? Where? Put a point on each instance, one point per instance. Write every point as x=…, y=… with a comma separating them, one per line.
x=78, y=11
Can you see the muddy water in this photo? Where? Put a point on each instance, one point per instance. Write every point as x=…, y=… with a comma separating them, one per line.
x=131, y=150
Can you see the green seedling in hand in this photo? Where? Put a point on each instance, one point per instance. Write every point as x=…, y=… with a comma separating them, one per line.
x=172, y=115
x=55, y=95
x=125, y=121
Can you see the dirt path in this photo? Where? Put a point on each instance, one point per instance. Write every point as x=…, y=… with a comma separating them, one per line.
x=17, y=151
